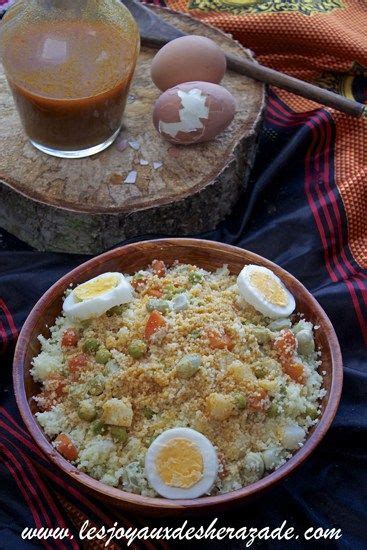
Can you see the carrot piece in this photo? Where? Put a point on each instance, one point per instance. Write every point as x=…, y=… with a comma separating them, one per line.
x=156, y=292
x=57, y=382
x=258, y=399
x=44, y=402
x=295, y=371
x=219, y=341
x=155, y=322
x=159, y=268
x=285, y=345
x=77, y=363
x=64, y=445
x=70, y=338
x=52, y=393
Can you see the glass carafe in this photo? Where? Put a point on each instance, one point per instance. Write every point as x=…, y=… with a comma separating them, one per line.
x=69, y=64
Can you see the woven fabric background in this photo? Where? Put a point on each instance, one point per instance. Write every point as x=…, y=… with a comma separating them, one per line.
x=305, y=209
x=323, y=41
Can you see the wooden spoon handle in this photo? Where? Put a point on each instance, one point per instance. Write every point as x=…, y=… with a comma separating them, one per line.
x=298, y=87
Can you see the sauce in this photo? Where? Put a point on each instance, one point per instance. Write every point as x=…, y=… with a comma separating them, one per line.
x=70, y=81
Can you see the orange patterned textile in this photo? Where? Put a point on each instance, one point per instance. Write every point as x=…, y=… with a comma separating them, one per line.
x=324, y=41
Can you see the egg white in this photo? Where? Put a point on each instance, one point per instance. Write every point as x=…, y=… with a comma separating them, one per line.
x=254, y=296
x=96, y=306
x=210, y=464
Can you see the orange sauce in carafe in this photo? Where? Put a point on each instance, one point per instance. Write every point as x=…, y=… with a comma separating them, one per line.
x=70, y=81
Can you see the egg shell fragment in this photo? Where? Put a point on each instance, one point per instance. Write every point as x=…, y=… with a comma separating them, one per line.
x=193, y=112
x=186, y=59
x=210, y=464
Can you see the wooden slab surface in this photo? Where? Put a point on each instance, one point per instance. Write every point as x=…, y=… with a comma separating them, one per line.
x=83, y=206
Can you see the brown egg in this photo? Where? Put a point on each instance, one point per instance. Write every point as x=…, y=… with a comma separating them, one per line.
x=193, y=112
x=187, y=59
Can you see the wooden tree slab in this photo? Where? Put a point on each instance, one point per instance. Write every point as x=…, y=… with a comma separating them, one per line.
x=84, y=206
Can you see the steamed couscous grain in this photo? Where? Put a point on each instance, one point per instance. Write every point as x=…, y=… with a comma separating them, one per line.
x=187, y=351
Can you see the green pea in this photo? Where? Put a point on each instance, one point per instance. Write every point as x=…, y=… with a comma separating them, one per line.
x=76, y=393
x=119, y=434
x=86, y=410
x=91, y=345
x=171, y=290
x=260, y=371
x=103, y=356
x=96, y=385
x=158, y=305
x=241, y=401
x=100, y=428
x=195, y=277
x=148, y=413
x=262, y=334
x=116, y=310
x=137, y=349
x=273, y=410
x=312, y=412
x=188, y=365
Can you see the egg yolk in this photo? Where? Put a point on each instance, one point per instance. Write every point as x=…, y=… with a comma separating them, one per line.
x=272, y=291
x=92, y=289
x=179, y=463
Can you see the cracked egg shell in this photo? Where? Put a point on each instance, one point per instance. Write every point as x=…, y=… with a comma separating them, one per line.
x=193, y=112
x=186, y=59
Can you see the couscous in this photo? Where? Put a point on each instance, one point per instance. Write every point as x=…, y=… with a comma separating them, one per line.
x=185, y=350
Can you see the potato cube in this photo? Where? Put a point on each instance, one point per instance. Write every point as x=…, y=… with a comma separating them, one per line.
x=219, y=406
x=117, y=412
x=241, y=372
x=268, y=385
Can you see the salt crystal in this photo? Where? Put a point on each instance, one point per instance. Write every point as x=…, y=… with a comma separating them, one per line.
x=131, y=177
x=134, y=145
x=157, y=165
x=143, y=162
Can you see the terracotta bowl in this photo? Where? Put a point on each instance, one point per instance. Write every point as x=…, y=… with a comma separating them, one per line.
x=129, y=259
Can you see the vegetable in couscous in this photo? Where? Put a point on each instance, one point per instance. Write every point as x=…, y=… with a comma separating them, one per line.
x=177, y=381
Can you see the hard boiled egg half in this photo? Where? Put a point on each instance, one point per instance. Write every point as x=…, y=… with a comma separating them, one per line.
x=261, y=288
x=181, y=463
x=95, y=297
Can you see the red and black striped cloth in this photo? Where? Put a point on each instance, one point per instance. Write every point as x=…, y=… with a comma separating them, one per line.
x=293, y=213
